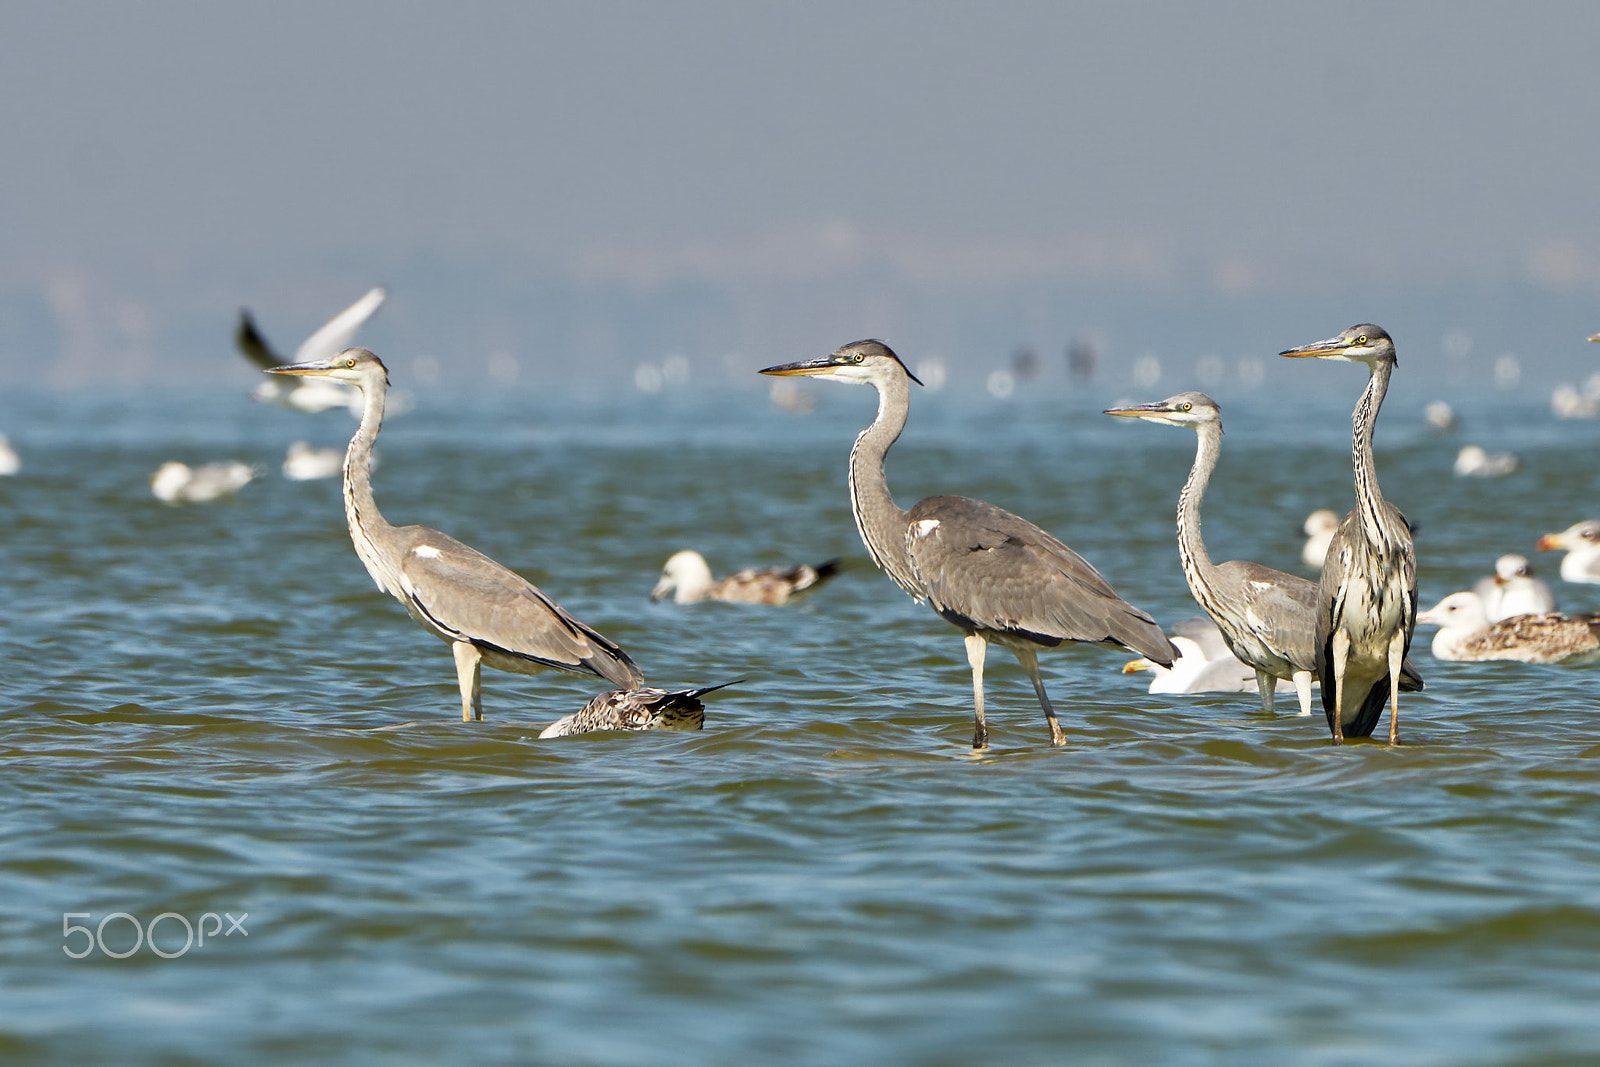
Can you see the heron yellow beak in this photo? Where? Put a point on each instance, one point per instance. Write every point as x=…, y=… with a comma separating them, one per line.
x=805, y=366
x=1332, y=344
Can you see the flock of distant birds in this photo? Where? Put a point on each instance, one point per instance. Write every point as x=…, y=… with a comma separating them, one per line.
x=995, y=576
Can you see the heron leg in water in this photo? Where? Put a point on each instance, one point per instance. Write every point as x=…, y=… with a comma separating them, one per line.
x=1030, y=663
x=976, y=646
x=1341, y=660
x=1397, y=654
x=468, y=669
x=1268, y=684
x=1302, y=687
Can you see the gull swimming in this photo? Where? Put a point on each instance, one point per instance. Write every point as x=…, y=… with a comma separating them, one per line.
x=1466, y=633
x=1513, y=590
x=688, y=577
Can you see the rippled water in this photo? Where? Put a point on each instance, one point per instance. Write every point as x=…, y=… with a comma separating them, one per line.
x=211, y=710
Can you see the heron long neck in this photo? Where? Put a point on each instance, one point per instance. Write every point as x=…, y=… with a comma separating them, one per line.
x=360, y=509
x=1369, y=499
x=1197, y=565
x=880, y=520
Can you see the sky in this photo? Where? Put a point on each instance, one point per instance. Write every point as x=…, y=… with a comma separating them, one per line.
x=584, y=186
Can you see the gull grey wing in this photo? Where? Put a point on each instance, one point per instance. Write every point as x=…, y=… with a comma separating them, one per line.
x=986, y=568
x=467, y=596
x=335, y=336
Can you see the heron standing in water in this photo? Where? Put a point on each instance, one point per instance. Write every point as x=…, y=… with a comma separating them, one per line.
x=487, y=613
x=1367, y=603
x=995, y=576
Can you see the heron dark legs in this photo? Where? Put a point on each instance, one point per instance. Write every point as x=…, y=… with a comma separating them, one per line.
x=1302, y=688
x=976, y=646
x=1397, y=655
x=468, y=669
x=1030, y=663
x=1341, y=660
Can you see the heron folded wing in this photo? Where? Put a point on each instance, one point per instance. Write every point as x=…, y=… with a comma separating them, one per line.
x=1280, y=609
x=470, y=597
x=1000, y=572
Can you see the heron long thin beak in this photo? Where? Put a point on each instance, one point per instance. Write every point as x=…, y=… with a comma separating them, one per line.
x=1332, y=344
x=314, y=367
x=805, y=366
x=1140, y=410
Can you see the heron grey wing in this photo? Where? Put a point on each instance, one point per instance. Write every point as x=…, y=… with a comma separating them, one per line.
x=335, y=335
x=472, y=598
x=248, y=340
x=987, y=568
x=1279, y=609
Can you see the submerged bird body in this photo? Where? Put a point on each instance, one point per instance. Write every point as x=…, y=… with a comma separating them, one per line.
x=995, y=576
x=1513, y=590
x=1367, y=601
x=488, y=613
x=636, y=709
x=1581, y=541
x=688, y=577
x=310, y=394
x=1467, y=633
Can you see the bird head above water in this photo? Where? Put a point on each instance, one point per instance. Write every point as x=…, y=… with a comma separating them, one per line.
x=1365, y=343
x=868, y=362
x=355, y=366
x=1184, y=409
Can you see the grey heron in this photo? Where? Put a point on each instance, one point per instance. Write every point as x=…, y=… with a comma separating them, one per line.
x=995, y=576
x=1581, y=541
x=329, y=340
x=1367, y=603
x=636, y=709
x=1267, y=617
x=487, y=613
x=1513, y=590
x=688, y=577
x=1205, y=663
x=1467, y=633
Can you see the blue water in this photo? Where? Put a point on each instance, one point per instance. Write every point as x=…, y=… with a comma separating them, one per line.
x=211, y=710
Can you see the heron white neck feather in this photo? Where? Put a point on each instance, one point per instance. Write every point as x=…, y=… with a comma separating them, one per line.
x=881, y=522
x=360, y=509
x=1197, y=565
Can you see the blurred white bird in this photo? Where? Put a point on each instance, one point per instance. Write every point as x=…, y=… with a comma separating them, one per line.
x=179, y=483
x=10, y=462
x=310, y=394
x=1205, y=664
x=1465, y=633
x=688, y=573
x=1440, y=416
x=1513, y=590
x=1473, y=462
x=1582, y=543
x=304, y=463
x=1319, y=529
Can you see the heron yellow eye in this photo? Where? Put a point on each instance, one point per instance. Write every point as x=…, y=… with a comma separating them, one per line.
x=859, y=357
x=349, y=363
x=1185, y=406
x=1361, y=341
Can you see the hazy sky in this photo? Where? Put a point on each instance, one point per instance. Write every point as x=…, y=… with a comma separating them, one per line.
x=167, y=156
